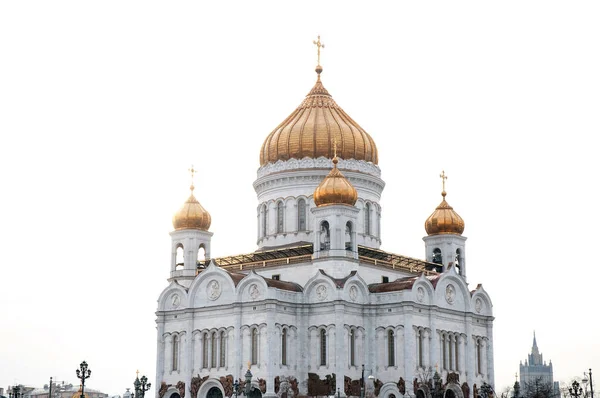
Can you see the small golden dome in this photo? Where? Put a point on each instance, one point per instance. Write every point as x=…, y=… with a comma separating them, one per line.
x=312, y=128
x=192, y=215
x=444, y=220
x=335, y=189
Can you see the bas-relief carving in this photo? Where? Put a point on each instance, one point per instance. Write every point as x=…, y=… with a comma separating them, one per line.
x=450, y=293
x=316, y=386
x=254, y=291
x=353, y=293
x=227, y=384
x=420, y=294
x=351, y=387
x=478, y=305
x=181, y=388
x=195, y=384
x=321, y=162
x=175, y=301
x=213, y=290
x=321, y=292
x=163, y=389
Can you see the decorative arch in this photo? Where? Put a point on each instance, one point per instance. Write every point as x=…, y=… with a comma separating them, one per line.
x=389, y=389
x=312, y=295
x=208, y=385
x=168, y=301
x=179, y=256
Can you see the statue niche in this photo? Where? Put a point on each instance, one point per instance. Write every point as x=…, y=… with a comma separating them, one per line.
x=316, y=386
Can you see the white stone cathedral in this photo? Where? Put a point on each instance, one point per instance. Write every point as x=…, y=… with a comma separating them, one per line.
x=319, y=309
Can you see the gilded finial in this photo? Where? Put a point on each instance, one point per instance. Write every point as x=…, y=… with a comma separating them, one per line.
x=444, y=177
x=249, y=364
x=319, y=45
x=192, y=172
x=137, y=372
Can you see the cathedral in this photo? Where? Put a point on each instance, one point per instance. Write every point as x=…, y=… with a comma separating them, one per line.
x=319, y=309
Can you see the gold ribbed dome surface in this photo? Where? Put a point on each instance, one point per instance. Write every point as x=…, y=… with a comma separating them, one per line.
x=312, y=128
x=444, y=220
x=192, y=215
x=335, y=189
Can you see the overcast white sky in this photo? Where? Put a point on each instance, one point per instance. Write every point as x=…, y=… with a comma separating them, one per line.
x=104, y=106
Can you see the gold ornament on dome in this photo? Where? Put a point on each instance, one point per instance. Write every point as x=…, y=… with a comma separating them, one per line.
x=192, y=215
x=335, y=189
x=311, y=129
x=444, y=220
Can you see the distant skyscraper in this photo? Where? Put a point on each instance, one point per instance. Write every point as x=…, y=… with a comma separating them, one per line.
x=535, y=370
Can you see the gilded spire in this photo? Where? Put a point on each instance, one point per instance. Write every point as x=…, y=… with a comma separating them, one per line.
x=319, y=45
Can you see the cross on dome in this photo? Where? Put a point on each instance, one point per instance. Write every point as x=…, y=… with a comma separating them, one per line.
x=444, y=177
x=192, y=172
x=319, y=47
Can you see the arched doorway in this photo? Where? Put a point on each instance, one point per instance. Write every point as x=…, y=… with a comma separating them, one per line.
x=214, y=393
x=255, y=393
x=449, y=394
x=420, y=393
x=174, y=395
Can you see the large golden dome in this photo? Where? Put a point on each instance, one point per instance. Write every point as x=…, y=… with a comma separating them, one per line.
x=444, y=220
x=335, y=189
x=192, y=215
x=312, y=128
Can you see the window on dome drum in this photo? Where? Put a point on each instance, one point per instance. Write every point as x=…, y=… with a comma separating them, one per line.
x=254, y=346
x=437, y=256
x=301, y=215
x=222, y=350
x=391, y=349
x=323, y=347
x=325, y=238
x=352, y=347
x=348, y=236
x=367, y=219
x=265, y=216
x=201, y=253
x=175, y=352
x=213, y=351
x=284, y=347
x=179, y=257
x=279, y=217
x=205, y=351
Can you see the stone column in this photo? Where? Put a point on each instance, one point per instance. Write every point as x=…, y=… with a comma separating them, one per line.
x=410, y=350
x=427, y=352
x=271, y=360
x=236, y=346
x=160, y=357
x=341, y=354
x=469, y=352
x=490, y=354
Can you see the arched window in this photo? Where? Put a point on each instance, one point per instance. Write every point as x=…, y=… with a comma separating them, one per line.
x=284, y=347
x=352, y=348
x=325, y=237
x=205, y=350
x=175, y=352
x=420, y=339
x=179, y=257
x=437, y=256
x=201, y=254
x=265, y=216
x=222, y=350
x=323, y=348
x=391, y=349
x=279, y=217
x=254, y=346
x=213, y=350
x=301, y=215
x=367, y=219
x=444, y=350
x=450, y=352
x=348, y=236
x=458, y=261
x=478, y=355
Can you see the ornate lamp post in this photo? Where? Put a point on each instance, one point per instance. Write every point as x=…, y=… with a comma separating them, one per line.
x=141, y=385
x=575, y=391
x=362, y=382
x=236, y=387
x=83, y=373
x=248, y=385
x=588, y=377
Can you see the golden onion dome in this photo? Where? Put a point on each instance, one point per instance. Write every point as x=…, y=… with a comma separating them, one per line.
x=192, y=215
x=444, y=220
x=335, y=189
x=312, y=128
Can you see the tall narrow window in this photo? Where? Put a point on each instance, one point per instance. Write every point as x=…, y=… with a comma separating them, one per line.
x=254, y=346
x=391, y=349
x=444, y=350
x=279, y=217
x=352, y=349
x=179, y=257
x=213, y=352
x=284, y=347
x=456, y=343
x=348, y=236
x=201, y=257
x=367, y=219
x=325, y=237
x=478, y=356
x=450, y=352
x=175, y=351
x=323, y=348
x=437, y=256
x=420, y=348
x=222, y=350
x=265, y=216
x=301, y=215
x=205, y=350
x=458, y=261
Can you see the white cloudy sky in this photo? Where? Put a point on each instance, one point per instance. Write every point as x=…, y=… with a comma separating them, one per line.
x=104, y=106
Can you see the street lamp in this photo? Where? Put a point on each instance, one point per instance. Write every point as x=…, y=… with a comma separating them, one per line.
x=575, y=391
x=585, y=381
x=83, y=373
x=248, y=385
x=236, y=387
x=362, y=382
x=141, y=385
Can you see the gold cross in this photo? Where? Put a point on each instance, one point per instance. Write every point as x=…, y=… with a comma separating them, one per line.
x=192, y=172
x=444, y=177
x=249, y=364
x=319, y=47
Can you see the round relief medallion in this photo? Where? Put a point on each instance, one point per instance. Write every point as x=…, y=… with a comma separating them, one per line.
x=254, y=291
x=175, y=301
x=420, y=294
x=478, y=305
x=450, y=294
x=321, y=292
x=214, y=290
x=353, y=293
